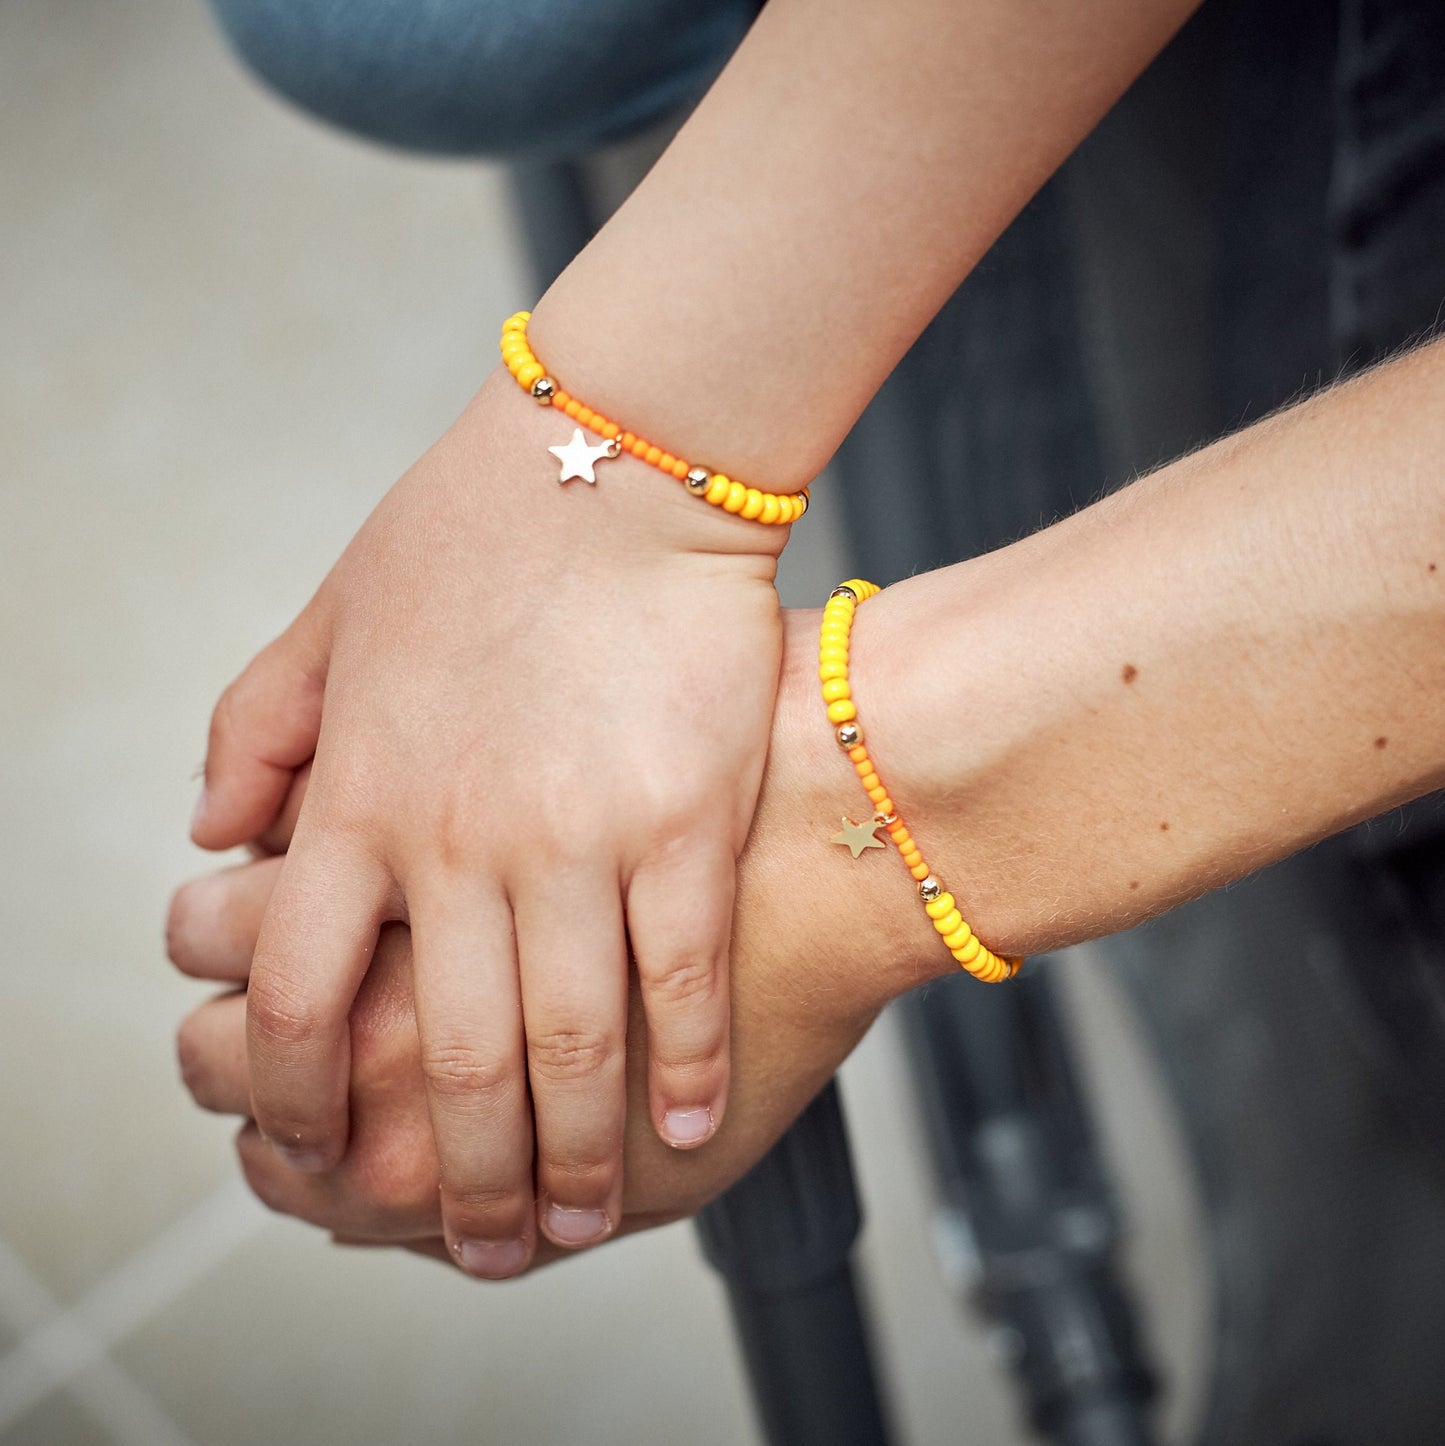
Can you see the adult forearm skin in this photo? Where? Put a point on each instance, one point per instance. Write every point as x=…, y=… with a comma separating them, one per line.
x=1220, y=664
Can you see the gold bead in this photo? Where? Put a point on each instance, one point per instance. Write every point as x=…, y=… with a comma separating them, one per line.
x=846, y=592
x=544, y=389
x=698, y=479
x=849, y=735
x=929, y=889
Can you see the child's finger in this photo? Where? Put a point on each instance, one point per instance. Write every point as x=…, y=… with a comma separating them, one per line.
x=469, y=1018
x=263, y=728
x=215, y=920
x=679, y=915
x=573, y=965
x=315, y=945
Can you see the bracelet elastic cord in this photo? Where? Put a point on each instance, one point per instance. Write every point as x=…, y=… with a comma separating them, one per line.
x=774, y=508
x=938, y=903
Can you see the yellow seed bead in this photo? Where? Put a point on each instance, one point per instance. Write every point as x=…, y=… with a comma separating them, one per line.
x=530, y=373
x=919, y=871
x=842, y=711
x=913, y=858
x=769, y=514
x=787, y=510
x=937, y=908
x=832, y=669
x=834, y=688
x=949, y=922
x=959, y=937
x=718, y=491
x=752, y=504
x=833, y=654
x=737, y=495
x=968, y=952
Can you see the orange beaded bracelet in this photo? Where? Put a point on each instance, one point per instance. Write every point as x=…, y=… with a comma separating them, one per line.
x=577, y=457
x=938, y=903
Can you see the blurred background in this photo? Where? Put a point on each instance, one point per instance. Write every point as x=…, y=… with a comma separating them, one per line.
x=224, y=331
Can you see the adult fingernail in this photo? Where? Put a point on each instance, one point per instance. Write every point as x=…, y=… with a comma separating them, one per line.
x=576, y=1227
x=307, y=1158
x=199, y=816
x=684, y=1128
x=492, y=1259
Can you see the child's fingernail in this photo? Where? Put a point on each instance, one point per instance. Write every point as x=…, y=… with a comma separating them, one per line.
x=199, y=816
x=682, y=1128
x=576, y=1227
x=492, y=1259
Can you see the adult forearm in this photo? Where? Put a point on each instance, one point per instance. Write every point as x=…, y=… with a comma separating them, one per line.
x=1222, y=663
x=841, y=178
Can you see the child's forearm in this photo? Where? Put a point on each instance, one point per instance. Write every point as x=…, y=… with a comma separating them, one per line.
x=1224, y=662
x=843, y=175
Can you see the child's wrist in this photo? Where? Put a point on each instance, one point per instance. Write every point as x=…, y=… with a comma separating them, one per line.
x=647, y=505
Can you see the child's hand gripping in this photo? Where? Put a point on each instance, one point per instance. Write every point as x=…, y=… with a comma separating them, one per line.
x=538, y=716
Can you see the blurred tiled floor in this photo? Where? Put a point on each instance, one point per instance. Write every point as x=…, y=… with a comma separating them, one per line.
x=223, y=332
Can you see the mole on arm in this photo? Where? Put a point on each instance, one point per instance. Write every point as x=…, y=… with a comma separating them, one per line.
x=1130, y=673
x=1164, y=827
x=1381, y=741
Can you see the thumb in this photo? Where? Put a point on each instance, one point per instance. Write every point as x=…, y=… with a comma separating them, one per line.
x=264, y=727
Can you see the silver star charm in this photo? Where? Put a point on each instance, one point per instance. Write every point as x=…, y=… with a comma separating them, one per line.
x=858, y=836
x=578, y=456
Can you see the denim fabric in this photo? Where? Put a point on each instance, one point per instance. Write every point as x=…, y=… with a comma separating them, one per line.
x=544, y=79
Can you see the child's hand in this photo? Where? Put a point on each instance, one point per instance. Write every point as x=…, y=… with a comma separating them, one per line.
x=545, y=718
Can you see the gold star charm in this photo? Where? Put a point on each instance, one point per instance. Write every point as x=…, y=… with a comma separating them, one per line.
x=858, y=836
x=577, y=456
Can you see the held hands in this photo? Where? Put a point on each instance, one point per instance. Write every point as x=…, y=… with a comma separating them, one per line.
x=818, y=944
x=538, y=718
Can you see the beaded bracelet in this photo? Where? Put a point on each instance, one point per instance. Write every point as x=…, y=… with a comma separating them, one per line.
x=577, y=456
x=938, y=904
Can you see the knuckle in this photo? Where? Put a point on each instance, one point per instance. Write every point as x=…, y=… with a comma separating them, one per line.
x=456, y=1071
x=282, y=1013
x=595, y=1176
x=564, y=1055
x=476, y=1209
x=682, y=979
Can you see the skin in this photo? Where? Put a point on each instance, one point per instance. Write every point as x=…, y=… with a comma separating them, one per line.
x=536, y=764
x=1248, y=647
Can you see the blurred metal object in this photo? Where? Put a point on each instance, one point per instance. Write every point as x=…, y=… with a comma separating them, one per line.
x=782, y=1239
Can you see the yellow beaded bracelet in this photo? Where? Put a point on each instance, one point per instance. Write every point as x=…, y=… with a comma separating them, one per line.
x=938, y=903
x=578, y=457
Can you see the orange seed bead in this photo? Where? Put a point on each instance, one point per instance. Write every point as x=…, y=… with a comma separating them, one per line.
x=609, y=430
x=879, y=796
x=627, y=439
x=680, y=469
x=752, y=504
x=858, y=754
x=667, y=461
x=573, y=407
x=919, y=871
x=654, y=455
x=769, y=513
x=737, y=495
x=561, y=398
x=584, y=416
x=718, y=491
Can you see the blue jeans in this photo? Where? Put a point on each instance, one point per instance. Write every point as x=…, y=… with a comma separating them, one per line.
x=524, y=79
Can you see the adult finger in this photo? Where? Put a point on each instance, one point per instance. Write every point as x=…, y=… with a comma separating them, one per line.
x=679, y=913
x=469, y=1019
x=275, y=838
x=572, y=960
x=315, y=945
x=264, y=727
x=211, y=1051
x=214, y=921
